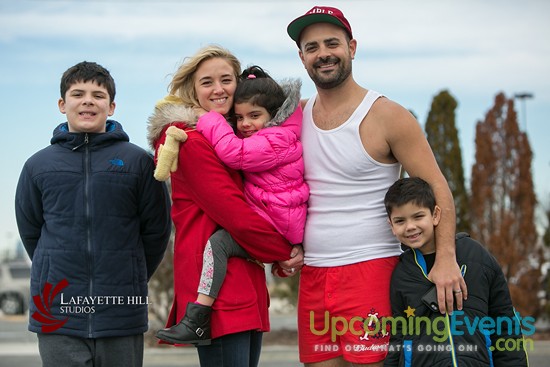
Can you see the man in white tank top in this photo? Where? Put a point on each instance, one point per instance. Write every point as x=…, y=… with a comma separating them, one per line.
x=355, y=142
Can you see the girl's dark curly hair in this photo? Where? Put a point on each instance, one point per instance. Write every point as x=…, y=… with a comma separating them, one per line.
x=258, y=88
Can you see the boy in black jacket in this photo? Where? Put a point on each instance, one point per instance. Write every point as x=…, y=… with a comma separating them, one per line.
x=95, y=224
x=420, y=335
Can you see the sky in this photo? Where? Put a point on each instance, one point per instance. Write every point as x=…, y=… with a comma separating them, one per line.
x=407, y=50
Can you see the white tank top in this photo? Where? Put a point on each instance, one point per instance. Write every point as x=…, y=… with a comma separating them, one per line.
x=347, y=220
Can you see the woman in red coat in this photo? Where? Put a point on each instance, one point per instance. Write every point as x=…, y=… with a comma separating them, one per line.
x=207, y=195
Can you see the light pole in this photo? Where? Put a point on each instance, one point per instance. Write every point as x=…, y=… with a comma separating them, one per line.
x=522, y=97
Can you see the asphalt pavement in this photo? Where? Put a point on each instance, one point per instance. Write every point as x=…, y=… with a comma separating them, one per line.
x=18, y=348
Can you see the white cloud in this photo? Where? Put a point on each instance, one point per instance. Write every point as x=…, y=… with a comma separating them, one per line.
x=409, y=50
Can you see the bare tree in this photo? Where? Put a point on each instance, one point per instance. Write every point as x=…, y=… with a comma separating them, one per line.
x=546, y=244
x=503, y=202
x=161, y=291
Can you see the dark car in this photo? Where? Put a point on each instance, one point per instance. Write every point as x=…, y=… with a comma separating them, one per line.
x=14, y=287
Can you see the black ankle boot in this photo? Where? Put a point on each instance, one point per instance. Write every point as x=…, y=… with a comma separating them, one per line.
x=194, y=328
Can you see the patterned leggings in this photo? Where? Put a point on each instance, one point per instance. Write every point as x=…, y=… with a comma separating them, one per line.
x=219, y=248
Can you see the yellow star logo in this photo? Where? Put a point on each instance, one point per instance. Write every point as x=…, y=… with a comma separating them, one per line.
x=410, y=311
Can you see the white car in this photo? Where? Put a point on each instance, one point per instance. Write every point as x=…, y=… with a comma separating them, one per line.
x=15, y=282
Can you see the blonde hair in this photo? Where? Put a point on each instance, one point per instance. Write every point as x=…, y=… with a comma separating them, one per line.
x=183, y=83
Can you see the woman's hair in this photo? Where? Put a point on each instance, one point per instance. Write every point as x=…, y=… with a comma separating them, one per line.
x=183, y=83
x=258, y=88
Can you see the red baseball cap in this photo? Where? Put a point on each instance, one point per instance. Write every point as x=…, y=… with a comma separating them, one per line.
x=318, y=14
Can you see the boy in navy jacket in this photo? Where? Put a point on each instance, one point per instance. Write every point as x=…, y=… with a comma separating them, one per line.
x=95, y=224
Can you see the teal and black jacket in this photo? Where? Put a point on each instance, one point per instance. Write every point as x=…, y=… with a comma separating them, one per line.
x=475, y=336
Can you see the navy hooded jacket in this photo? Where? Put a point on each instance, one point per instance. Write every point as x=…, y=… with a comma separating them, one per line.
x=95, y=223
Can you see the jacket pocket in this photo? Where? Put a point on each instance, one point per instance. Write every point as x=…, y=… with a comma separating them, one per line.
x=44, y=271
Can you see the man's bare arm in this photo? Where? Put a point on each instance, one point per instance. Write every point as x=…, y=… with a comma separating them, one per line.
x=409, y=146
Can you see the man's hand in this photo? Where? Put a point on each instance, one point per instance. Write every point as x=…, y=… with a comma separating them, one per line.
x=293, y=265
x=449, y=283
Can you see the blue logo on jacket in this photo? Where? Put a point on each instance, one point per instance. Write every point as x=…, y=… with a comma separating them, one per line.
x=117, y=162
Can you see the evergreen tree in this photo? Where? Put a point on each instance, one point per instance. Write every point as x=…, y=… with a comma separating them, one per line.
x=503, y=202
x=442, y=135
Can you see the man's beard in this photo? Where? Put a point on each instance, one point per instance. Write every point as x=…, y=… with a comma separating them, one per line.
x=342, y=72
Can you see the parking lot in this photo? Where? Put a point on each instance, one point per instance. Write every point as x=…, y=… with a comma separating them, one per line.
x=18, y=348
x=14, y=287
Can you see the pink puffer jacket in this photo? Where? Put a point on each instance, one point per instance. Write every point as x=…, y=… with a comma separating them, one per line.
x=271, y=161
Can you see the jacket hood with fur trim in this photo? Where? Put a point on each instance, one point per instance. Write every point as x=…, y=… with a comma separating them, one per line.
x=166, y=113
x=291, y=88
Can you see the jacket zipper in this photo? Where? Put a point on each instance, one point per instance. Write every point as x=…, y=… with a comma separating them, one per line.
x=88, y=222
x=85, y=142
x=447, y=319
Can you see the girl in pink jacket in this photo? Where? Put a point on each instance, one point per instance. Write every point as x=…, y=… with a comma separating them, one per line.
x=267, y=148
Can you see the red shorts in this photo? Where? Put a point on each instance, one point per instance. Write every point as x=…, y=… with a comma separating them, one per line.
x=339, y=308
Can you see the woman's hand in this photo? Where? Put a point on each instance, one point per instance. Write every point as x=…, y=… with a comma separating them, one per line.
x=292, y=266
